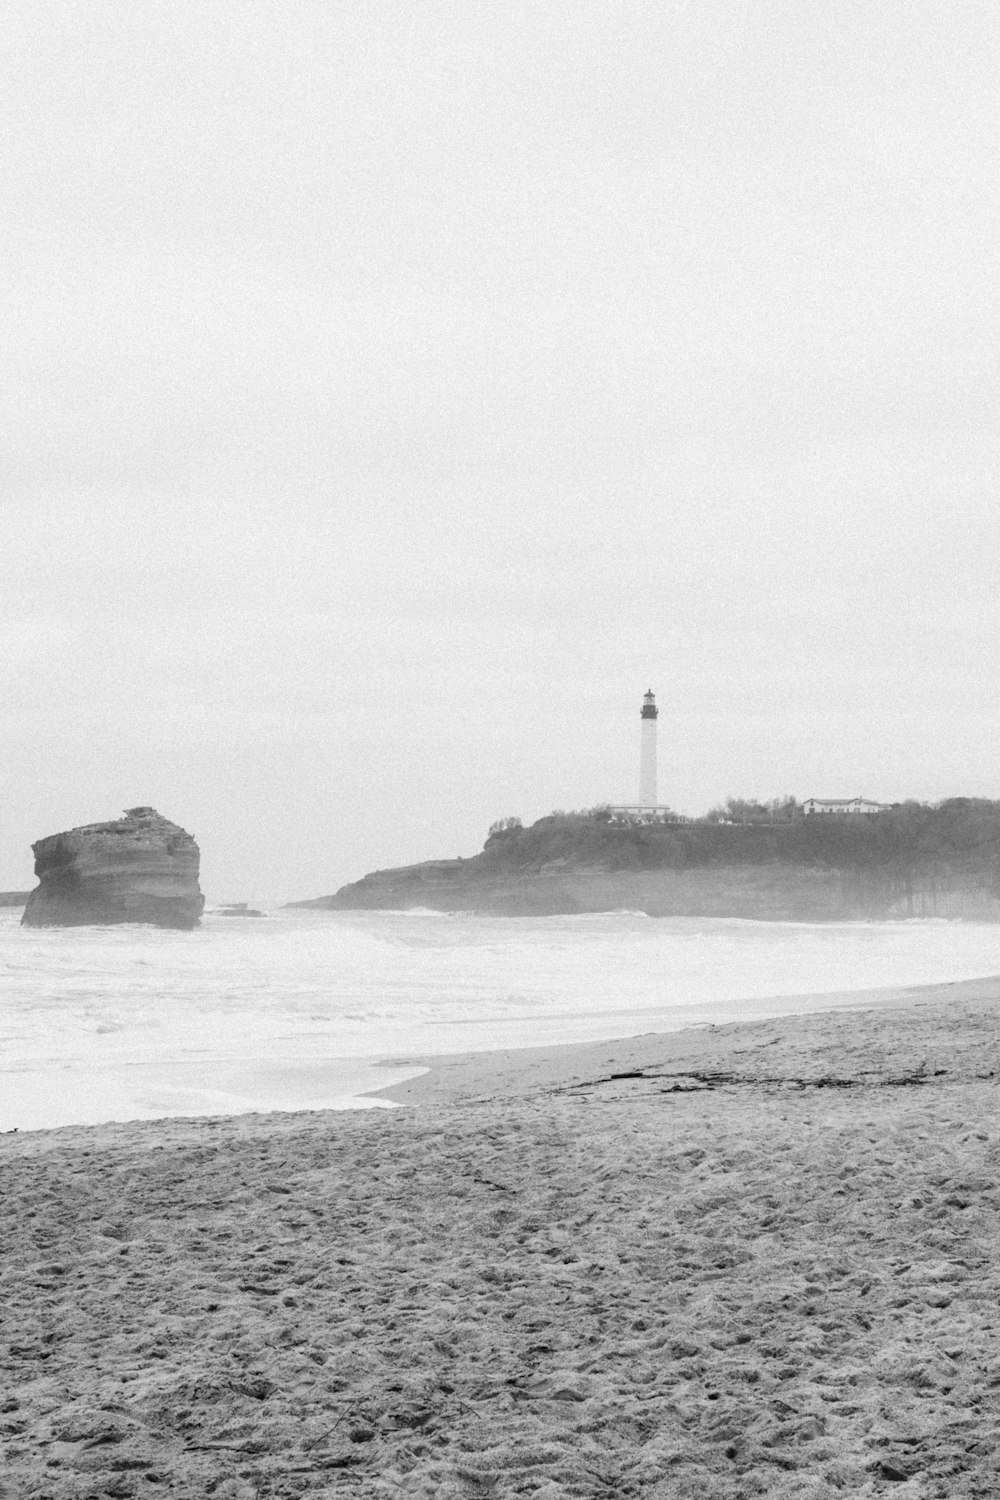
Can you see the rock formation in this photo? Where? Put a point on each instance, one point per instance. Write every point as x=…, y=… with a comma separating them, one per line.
x=914, y=861
x=773, y=892
x=139, y=868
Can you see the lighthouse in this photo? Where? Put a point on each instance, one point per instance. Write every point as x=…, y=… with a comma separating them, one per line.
x=647, y=752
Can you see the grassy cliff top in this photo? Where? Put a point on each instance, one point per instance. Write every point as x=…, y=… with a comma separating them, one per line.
x=963, y=830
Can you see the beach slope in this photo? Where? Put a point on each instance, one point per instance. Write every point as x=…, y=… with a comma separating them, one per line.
x=765, y=1264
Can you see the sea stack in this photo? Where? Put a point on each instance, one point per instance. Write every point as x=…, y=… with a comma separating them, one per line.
x=139, y=868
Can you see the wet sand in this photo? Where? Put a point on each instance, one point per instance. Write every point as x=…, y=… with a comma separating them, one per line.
x=494, y=1076
x=757, y=1260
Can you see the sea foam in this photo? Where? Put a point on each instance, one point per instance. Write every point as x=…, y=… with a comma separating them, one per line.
x=295, y=1010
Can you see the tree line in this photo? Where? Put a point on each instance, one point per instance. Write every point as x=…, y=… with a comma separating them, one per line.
x=959, y=830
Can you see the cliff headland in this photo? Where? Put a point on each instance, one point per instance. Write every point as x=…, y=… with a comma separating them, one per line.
x=913, y=861
x=138, y=868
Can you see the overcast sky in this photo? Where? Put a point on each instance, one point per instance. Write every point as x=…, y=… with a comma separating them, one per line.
x=392, y=392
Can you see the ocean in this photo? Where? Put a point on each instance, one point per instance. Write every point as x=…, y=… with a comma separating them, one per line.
x=312, y=1010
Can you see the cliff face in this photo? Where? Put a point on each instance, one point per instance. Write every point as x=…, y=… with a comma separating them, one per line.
x=139, y=868
x=770, y=892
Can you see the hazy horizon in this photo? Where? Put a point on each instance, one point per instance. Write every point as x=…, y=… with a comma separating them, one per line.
x=394, y=394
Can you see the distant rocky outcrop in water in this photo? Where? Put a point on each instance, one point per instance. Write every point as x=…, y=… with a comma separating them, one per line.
x=139, y=868
x=14, y=898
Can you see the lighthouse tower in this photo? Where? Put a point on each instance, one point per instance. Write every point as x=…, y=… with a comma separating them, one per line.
x=647, y=752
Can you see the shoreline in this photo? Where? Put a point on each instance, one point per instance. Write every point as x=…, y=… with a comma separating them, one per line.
x=517, y=1076
x=520, y=1072
x=171, y=1031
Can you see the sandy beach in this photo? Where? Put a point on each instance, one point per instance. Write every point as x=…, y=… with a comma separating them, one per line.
x=745, y=1260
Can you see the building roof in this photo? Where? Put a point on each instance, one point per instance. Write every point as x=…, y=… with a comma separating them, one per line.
x=846, y=801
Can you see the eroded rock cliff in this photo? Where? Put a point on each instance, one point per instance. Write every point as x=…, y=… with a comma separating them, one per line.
x=138, y=868
x=789, y=893
x=913, y=861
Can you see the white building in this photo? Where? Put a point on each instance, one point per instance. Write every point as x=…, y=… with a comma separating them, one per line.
x=638, y=812
x=842, y=805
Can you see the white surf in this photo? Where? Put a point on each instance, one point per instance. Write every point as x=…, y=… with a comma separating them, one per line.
x=298, y=1010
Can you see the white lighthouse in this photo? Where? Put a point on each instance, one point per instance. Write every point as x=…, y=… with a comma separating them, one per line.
x=646, y=809
x=647, y=752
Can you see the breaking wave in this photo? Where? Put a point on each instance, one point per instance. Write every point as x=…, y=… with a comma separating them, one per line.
x=293, y=1011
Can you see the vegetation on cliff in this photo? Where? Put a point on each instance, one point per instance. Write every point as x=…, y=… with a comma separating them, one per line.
x=961, y=830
